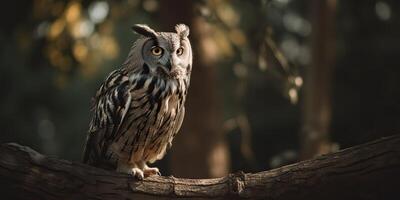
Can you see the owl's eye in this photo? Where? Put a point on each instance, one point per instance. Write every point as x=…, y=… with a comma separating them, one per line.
x=179, y=51
x=156, y=51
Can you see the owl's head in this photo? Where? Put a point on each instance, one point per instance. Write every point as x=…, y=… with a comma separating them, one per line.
x=164, y=54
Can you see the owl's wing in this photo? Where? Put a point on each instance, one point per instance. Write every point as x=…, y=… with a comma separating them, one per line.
x=109, y=108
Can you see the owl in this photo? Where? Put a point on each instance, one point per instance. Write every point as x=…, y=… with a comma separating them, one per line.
x=139, y=108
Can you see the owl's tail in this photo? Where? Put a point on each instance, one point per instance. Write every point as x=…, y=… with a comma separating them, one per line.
x=89, y=156
x=92, y=154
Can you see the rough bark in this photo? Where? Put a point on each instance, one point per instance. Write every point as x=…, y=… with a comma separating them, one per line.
x=368, y=171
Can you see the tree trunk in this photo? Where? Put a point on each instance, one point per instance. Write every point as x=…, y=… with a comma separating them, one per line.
x=200, y=143
x=368, y=171
x=318, y=82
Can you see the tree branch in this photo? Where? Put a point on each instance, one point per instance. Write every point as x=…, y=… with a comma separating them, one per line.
x=368, y=171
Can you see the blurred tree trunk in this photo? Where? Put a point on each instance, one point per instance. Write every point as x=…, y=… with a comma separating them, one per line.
x=199, y=150
x=318, y=81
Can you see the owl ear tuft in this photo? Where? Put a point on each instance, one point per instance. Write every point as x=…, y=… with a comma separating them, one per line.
x=182, y=30
x=143, y=29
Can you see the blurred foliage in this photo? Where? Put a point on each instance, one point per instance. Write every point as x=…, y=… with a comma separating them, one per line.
x=54, y=54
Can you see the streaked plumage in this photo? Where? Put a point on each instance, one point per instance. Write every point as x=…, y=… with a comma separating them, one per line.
x=139, y=108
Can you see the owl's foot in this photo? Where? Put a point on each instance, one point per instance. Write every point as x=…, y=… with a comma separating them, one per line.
x=151, y=171
x=137, y=173
x=132, y=170
x=148, y=171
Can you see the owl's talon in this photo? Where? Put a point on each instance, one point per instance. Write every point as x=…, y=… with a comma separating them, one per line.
x=151, y=171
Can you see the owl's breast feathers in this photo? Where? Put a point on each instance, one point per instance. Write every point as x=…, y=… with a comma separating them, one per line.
x=135, y=117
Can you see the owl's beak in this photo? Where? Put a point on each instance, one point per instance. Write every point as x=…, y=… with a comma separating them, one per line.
x=169, y=65
x=167, y=71
x=172, y=72
x=162, y=71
